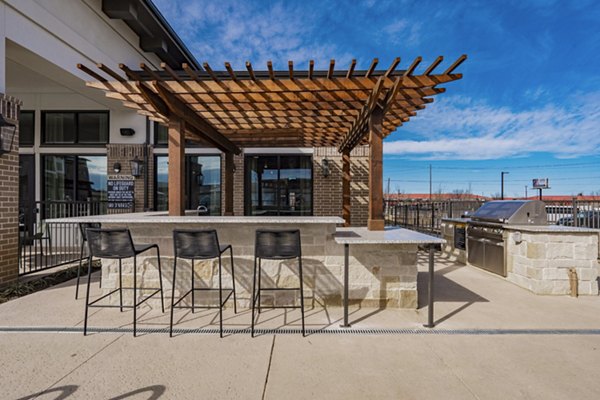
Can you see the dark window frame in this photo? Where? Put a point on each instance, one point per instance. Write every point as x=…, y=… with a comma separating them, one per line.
x=247, y=183
x=75, y=143
x=21, y=144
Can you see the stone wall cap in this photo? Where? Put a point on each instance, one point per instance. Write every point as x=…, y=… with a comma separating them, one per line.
x=550, y=229
x=160, y=217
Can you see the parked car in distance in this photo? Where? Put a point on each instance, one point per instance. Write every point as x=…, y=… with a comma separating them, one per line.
x=586, y=219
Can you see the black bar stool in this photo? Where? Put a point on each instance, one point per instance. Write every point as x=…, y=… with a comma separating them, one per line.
x=117, y=244
x=276, y=245
x=202, y=244
x=82, y=229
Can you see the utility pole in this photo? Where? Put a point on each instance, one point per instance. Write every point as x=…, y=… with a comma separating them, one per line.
x=525, y=192
x=430, y=185
x=502, y=184
x=388, y=187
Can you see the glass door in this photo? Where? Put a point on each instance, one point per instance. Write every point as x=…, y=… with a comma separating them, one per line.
x=278, y=185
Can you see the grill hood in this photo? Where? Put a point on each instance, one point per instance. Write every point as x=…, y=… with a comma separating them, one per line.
x=512, y=212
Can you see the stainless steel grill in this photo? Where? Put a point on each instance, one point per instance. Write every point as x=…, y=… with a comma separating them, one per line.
x=485, y=242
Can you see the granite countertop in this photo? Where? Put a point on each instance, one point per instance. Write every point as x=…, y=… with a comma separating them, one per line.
x=550, y=229
x=162, y=217
x=387, y=236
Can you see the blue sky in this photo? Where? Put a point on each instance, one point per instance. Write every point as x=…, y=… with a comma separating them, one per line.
x=529, y=101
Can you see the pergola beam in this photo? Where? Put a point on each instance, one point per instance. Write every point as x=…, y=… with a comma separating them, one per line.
x=186, y=113
x=376, y=221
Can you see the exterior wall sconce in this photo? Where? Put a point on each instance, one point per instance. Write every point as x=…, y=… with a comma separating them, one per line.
x=325, y=169
x=197, y=171
x=6, y=145
x=117, y=167
x=137, y=167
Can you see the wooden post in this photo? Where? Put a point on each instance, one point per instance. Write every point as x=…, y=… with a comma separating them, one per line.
x=346, y=214
x=229, y=169
x=376, y=221
x=176, y=167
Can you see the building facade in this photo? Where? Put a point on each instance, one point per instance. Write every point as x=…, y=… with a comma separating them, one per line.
x=72, y=140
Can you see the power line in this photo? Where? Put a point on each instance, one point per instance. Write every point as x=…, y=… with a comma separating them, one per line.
x=501, y=167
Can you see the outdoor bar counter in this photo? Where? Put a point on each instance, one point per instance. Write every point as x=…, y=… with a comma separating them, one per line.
x=381, y=273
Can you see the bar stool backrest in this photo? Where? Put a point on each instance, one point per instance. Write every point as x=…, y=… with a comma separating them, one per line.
x=87, y=225
x=110, y=243
x=277, y=244
x=196, y=244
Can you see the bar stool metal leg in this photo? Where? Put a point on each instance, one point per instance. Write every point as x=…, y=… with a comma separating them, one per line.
x=173, y=296
x=193, y=291
x=79, y=270
x=220, y=298
x=253, y=301
x=134, y=295
x=120, y=285
x=259, y=279
x=87, y=296
x=233, y=281
x=301, y=294
x=162, y=297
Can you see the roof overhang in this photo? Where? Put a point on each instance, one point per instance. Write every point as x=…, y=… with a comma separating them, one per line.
x=155, y=33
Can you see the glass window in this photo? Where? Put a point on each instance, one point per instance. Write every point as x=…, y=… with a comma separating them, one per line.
x=161, y=135
x=26, y=128
x=161, y=195
x=84, y=127
x=59, y=128
x=279, y=185
x=202, y=184
x=60, y=183
x=92, y=127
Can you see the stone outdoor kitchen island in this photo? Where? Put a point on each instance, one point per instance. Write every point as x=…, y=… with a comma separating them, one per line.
x=380, y=274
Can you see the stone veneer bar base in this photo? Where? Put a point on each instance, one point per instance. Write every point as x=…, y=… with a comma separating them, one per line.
x=381, y=275
x=540, y=259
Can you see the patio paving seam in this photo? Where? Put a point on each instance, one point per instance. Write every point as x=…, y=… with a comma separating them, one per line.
x=268, y=368
x=80, y=365
x=453, y=372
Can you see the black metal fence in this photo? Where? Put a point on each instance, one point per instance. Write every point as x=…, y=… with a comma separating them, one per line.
x=427, y=215
x=44, y=245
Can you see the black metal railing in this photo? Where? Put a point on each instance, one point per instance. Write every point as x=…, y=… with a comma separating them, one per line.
x=426, y=215
x=44, y=245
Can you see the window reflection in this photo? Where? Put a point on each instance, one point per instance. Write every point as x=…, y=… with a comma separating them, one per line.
x=279, y=185
x=60, y=183
x=202, y=184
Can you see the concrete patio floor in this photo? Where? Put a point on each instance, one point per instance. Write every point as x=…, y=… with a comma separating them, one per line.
x=495, y=341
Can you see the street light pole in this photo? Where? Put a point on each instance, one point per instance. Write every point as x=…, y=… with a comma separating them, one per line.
x=502, y=184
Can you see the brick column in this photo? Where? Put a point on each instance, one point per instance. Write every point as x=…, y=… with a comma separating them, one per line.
x=122, y=154
x=9, y=194
x=327, y=191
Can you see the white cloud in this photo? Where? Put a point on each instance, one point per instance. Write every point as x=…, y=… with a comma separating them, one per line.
x=241, y=31
x=462, y=128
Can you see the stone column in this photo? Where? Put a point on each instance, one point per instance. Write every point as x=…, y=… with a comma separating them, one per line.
x=9, y=193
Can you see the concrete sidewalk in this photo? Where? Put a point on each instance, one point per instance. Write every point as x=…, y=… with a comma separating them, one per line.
x=507, y=347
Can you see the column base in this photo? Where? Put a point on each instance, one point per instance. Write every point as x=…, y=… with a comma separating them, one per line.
x=375, y=224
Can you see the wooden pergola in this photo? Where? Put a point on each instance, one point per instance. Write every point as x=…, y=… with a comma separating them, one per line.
x=231, y=109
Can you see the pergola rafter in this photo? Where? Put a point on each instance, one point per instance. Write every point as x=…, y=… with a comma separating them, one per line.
x=229, y=109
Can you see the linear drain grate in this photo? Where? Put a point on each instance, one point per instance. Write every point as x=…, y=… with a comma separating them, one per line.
x=297, y=331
